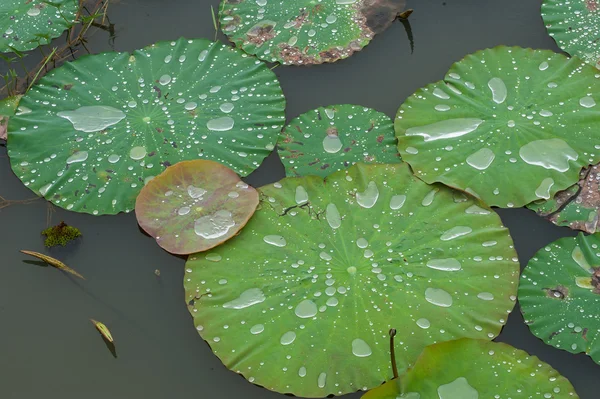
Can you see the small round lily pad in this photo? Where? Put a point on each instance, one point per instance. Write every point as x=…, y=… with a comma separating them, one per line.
x=330, y=266
x=194, y=206
x=28, y=24
x=477, y=369
x=509, y=125
x=95, y=130
x=575, y=26
x=560, y=294
x=576, y=207
x=328, y=139
x=303, y=32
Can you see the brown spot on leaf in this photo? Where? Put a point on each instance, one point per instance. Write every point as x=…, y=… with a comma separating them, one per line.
x=3, y=127
x=260, y=33
x=332, y=131
x=68, y=87
x=380, y=138
x=559, y=292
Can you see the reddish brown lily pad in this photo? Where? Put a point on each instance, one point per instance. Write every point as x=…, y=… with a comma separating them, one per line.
x=194, y=206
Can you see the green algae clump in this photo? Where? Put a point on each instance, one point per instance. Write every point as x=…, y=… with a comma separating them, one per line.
x=60, y=234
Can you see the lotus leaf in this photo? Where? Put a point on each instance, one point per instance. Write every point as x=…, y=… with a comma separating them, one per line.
x=99, y=128
x=473, y=369
x=195, y=205
x=332, y=138
x=560, y=294
x=8, y=107
x=301, y=301
x=497, y=125
x=27, y=24
x=303, y=32
x=575, y=26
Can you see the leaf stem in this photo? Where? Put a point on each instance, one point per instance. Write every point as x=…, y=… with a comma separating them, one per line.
x=393, y=352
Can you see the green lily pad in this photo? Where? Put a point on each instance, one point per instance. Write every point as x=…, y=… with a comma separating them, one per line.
x=305, y=32
x=576, y=207
x=28, y=24
x=97, y=129
x=560, y=294
x=328, y=139
x=194, y=206
x=575, y=26
x=509, y=125
x=473, y=369
x=330, y=266
x=8, y=107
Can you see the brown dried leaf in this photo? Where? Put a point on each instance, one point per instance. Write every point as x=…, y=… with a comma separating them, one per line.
x=53, y=262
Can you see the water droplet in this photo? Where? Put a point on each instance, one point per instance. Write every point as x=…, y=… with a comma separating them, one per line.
x=362, y=243
x=580, y=259
x=214, y=226
x=545, y=113
x=79, y=156
x=331, y=19
x=190, y=106
x=428, y=200
x=438, y=297
x=411, y=150
x=475, y=210
x=302, y=371
x=306, y=309
x=481, y=159
x=439, y=93
x=164, y=80
x=485, y=296
x=195, y=192
x=455, y=232
x=213, y=257
x=369, y=197
x=93, y=118
x=220, y=124
x=248, y=298
x=448, y=264
x=322, y=380
x=114, y=158
x=446, y=129
x=33, y=12
x=543, y=191
x=257, y=329
x=184, y=210
x=587, y=102
x=442, y=107
x=498, y=89
x=458, y=389
x=423, y=323
x=288, y=338
x=332, y=143
x=137, y=153
x=233, y=194
x=543, y=66
x=397, y=202
x=325, y=256
x=277, y=241
x=226, y=107
x=45, y=189
x=333, y=216
x=360, y=348
x=549, y=154
x=301, y=195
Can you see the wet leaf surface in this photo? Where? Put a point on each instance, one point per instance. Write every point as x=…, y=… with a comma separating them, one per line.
x=96, y=130
x=27, y=24
x=304, y=32
x=499, y=118
x=53, y=262
x=576, y=207
x=302, y=300
x=560, y=294
x=332, y=138
x=575, y=26
x=194, y=206
x=473, y=369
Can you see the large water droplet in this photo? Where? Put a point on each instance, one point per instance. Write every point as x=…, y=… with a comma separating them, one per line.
x=543, y=191
x=458, y=389
x=360, y=348
x=485, y=296
x=195, y=192
x=214, y=226
x=277, y=241
x=79, y=156
x=257, y=329
x=446, y=129
x=438, y=297
x=33, y=11
x=322, y=380
x=164, y=80
x=397, y=201
x=587, y=102
x=302, y=371
x=549, y=154
x=424, y=323
x=455, y=232
x=498, y=89
x=475, y=210
x=220, y=124
x=447, y=264
x=428, y=199
x=481, y=159
x=332, y=143
x=226, y=107
x=306, y=309
x=333, y=216
x=137, y=153
x=580, y=259
x=301, y=195
x=114, y=158
x=246, y=299
x=287, y=338
x=369, y=197
x=93, y=118
x=439, y=93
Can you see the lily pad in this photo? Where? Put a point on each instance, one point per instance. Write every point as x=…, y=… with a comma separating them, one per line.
x=328, y=139
x=509, y=125
x=194, y=206
x=330, y=266
x=472, y=369
x=575, y=26
x=304, y=32
x=97, y=129
x=576, y=207
x=8, y=107
x=560, y=294
x=28, y=24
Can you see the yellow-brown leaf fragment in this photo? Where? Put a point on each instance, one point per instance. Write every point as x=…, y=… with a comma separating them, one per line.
x=53, y=262
x=103, y=330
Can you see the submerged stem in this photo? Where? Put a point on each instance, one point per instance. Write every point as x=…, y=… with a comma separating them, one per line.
x=393, y=352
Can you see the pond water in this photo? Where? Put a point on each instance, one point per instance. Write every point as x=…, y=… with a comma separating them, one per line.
x=47, y=348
